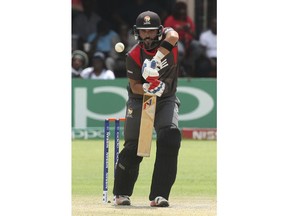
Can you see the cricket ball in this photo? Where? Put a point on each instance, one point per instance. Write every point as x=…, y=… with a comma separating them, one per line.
x=119, y=47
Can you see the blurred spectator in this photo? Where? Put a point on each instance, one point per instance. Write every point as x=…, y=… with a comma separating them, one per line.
x=77, y=5
x=126, y=11
x=207, y=64
x=127, y=38
x=77, y=8
x=84, y=23
x=166, y=8
x=98, y=69
x=102, y=41
x=79, y=62
x=184, y=25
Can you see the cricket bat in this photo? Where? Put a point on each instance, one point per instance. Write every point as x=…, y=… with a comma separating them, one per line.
x=146, y=125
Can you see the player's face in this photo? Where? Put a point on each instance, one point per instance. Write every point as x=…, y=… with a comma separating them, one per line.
x=148, y=35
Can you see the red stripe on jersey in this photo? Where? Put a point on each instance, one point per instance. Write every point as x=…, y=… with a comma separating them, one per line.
x=135, y=54
x=175, y=54
x=136, y=51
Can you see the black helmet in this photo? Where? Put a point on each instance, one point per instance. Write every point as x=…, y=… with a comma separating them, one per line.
x=148, y=20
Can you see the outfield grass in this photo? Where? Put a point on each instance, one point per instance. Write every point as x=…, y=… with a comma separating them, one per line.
x=196, y=169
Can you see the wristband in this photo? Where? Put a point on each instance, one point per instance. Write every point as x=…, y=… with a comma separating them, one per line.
x=159, y=55
x=166, y=45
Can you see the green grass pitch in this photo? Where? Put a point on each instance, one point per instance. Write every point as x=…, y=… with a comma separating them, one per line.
x=196, y=175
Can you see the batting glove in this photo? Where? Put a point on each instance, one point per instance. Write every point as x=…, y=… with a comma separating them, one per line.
x=157, y=58
x=156, y=88
x=149, y=72
x=157, y=62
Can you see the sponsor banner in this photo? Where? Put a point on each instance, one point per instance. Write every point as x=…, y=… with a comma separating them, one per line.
x=88, y=133
x=94, y=133
x=95, y=100
x=199, y=133
x=97, y=133
x=187, y=133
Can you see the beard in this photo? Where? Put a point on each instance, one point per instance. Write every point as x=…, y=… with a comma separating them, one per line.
x=150, y=44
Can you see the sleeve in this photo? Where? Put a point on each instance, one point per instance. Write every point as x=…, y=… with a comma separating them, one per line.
x=133, y=69
x=85, y=73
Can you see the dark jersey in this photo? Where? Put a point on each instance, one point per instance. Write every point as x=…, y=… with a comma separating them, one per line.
x=168, y=74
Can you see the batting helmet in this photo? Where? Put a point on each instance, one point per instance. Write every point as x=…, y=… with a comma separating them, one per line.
x=147, y=20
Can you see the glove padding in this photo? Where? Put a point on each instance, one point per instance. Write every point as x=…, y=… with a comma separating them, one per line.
x=158, y=63
x=149, y=71
x=155, y=88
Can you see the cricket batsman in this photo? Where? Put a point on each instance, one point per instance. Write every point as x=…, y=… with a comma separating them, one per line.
x=152, y=67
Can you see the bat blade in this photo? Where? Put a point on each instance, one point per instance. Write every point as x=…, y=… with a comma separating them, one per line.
x=146, y=125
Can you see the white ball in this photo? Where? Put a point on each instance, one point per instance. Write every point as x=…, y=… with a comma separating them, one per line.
x=119, y=47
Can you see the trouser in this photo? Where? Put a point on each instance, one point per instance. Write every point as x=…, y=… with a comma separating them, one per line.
x=168, y=144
